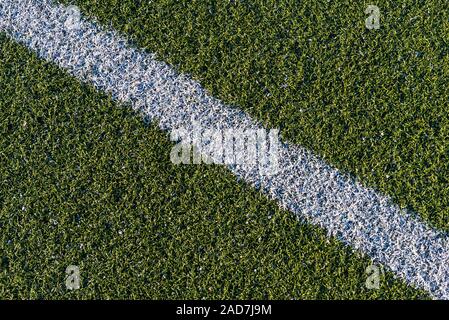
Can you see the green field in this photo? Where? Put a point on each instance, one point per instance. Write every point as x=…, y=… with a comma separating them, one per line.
x=372, y=103
x=84, y=181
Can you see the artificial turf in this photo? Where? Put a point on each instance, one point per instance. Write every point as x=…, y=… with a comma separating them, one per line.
x=85, y=182
x=373, y=103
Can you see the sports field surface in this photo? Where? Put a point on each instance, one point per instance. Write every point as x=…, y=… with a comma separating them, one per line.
x=86, y=177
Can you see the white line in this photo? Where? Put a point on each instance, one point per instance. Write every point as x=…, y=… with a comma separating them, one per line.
x=306, y=185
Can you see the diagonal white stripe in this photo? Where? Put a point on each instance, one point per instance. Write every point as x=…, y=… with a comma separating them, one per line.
x=306, y=185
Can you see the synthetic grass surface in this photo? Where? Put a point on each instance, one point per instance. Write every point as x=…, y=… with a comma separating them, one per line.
x=84, y=182
x=371, y=102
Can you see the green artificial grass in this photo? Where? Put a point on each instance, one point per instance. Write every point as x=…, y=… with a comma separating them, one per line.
x=85, y=182
x=373, y=103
